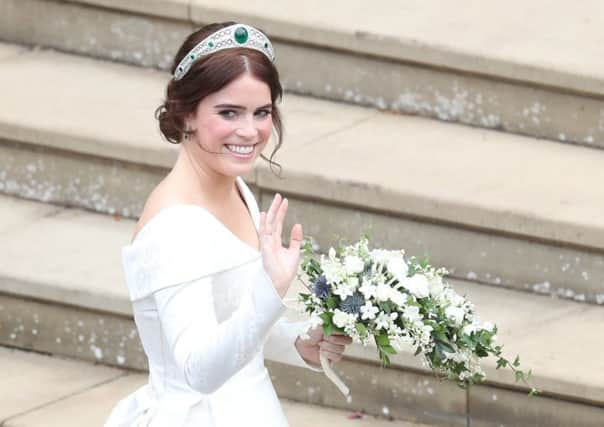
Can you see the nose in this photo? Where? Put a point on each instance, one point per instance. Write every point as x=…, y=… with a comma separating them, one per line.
x=247, y=128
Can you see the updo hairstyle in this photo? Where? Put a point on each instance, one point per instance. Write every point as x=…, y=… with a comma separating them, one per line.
x=210, y=74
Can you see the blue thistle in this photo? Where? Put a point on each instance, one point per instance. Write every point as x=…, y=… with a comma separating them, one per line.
x=321, y=288
x=353, y=303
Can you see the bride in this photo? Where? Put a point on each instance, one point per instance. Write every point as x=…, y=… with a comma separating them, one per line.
x=206, y=271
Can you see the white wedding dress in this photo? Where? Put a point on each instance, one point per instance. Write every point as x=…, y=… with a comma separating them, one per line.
x=207, y=314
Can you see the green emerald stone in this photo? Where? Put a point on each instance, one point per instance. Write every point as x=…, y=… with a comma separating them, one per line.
x=211, y=44
x=240, y=35
x=192, y=56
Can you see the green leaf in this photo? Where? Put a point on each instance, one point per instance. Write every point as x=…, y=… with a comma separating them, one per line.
x=417, y=351
x=519, y=375
x=445, y=346
x=327, y=316
x=501, y=363
x=388, y=349
x=382, y=340
x=327, y=329
x=331, y=302
x=361, y=329
x=516, y=361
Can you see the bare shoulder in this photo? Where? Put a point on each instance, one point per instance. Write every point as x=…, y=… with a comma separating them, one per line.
x=160, y=198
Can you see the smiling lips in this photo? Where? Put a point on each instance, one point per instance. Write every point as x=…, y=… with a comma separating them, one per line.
x=241, y=149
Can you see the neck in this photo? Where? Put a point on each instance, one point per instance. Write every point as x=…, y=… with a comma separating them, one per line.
x=202, y=183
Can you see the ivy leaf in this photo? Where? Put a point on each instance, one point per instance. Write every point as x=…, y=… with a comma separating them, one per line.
x=516, y=361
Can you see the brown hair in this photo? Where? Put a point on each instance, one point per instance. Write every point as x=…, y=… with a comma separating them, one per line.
x=210, y=74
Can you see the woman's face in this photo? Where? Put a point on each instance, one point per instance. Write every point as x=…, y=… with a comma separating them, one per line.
x=235, y=122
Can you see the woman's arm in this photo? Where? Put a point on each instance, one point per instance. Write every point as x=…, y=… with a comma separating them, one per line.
x=208, y=353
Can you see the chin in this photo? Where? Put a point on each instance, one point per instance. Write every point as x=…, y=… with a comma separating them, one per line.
x=234, y=170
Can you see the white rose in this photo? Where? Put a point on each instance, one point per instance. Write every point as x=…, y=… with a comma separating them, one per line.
x=353, y=264
x=398, y=267
x=417, y=285
x=340, y=318
x=382, y=292
x=456, y=314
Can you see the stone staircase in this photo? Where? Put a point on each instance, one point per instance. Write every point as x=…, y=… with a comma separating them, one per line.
x=77, y=138
x=487, y=67
x=38, y=391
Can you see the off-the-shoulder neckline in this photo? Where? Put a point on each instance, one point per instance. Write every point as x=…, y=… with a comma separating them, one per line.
x=240, y=185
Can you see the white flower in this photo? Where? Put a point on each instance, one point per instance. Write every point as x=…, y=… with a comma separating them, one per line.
x=397, y=267
x=417, y=285
x=369, y=311
x=368, y=289
x=468, y=329
x=343, y=290
x=456, y=314
x=353, y=282
x=453, y=298
x=436, y=286
x=382, y=256
x=333, y=271
x=382, y=292
x=488, y=326
x=342, y=319
x=411, y=313
x=332, y=254
x=353, y=264
x=382, y=321
x=398, y=297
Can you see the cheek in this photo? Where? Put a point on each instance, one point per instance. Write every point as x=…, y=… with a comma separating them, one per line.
x=265, y=128
x=217, y=128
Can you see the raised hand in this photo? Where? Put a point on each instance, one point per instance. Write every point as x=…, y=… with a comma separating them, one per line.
x=280, y=263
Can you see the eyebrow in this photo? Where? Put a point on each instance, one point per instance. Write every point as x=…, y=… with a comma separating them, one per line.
x=238, y=107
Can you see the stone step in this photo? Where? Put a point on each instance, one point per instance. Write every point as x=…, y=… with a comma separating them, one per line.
x=526, y=212
x=506, y=67
x=42, y=391
x=62, y=292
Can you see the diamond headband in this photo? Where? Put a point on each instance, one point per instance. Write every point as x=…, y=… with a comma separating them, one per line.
x=236, y=35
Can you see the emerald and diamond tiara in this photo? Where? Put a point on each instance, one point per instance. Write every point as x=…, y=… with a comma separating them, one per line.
x=236, y=35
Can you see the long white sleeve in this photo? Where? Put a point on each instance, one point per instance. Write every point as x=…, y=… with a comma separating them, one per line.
x=280, y=345
x=207, y=352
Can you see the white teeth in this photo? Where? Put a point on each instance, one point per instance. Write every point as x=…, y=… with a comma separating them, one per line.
x=241, y=149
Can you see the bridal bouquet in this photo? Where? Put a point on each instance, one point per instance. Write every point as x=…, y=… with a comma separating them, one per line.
x=376, y=294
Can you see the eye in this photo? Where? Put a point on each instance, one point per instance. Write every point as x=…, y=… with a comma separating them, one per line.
x=228, y=114
x=264, y=113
